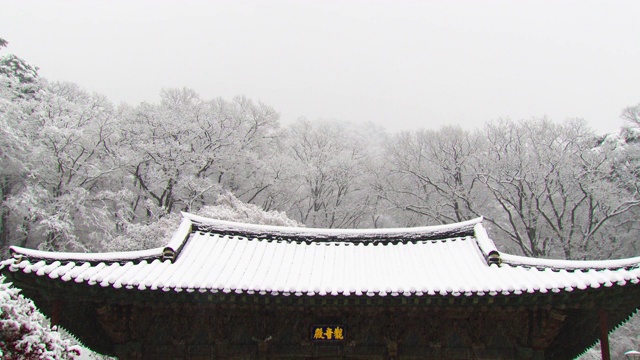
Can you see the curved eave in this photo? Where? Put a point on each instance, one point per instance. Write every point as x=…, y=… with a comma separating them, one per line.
x=251, y=231
x=515, y=260
x=110, y=276
x=451, y=268
x=206, y=256
x=122, y=256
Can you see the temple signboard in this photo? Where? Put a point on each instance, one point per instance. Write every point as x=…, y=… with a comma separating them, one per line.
x=328, y=333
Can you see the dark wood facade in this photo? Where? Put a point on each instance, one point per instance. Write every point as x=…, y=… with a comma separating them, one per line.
x=135, y=324
x=222, y=290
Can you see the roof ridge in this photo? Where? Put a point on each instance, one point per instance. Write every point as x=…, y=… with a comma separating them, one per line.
x=178, y=240
x=303, y=234
x=562, y=264
x=192, y=223
x=486, y=245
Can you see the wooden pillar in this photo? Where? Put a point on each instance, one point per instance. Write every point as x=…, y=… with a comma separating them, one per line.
x=604, y=335
x=392, y=348
x=56, y=309
x=263, y=347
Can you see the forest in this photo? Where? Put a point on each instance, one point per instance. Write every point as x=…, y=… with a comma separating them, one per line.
x=80, y=173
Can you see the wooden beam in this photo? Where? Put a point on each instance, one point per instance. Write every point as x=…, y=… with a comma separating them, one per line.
x=604, y=335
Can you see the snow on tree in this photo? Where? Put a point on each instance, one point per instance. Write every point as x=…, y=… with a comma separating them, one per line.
x=25, y=74
x=631, y=115
x=182, y=152
x=75, y=173
x=430, y=176
x=25, y=333
x=226, y=207
x=553, y=194
x=64, y=170
x=329, y=177
x=229, y=208
x=544, y=188
x=19, y=90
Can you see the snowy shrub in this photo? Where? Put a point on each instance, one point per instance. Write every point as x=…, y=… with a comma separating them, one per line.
x=145, y=236
x=229, y=208
x=25, y=333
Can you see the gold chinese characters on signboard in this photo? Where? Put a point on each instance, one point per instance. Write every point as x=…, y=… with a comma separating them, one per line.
x=328, y=333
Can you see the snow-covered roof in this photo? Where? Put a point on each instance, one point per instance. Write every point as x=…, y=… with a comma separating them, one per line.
x=207, y=255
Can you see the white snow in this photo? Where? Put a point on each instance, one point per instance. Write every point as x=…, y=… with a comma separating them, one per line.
x=335, y=234
x=88, y=257
x=569, y=264
x=210, y=262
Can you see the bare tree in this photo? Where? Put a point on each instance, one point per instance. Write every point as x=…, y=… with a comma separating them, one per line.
x=328, y=182
x=631, y=114
x=182, y=152
x=432, y=175
x=553, y=192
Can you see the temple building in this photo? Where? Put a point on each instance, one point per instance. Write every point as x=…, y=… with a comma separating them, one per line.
x=225, y=290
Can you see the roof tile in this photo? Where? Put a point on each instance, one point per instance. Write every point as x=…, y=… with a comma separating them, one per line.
x=215, y=258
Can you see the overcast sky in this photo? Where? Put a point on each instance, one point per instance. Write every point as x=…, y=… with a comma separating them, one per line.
x=401, y=64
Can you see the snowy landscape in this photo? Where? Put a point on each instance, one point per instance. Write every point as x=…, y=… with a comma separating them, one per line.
x=82, y=173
